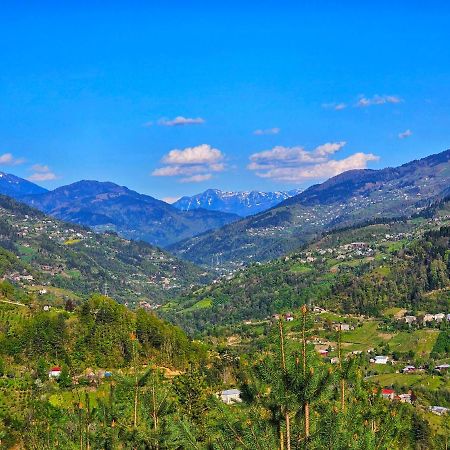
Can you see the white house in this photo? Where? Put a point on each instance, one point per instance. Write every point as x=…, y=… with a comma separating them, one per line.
x=408, y=369
x=439, y=410
x=428, y=318
x=341, y=326
x=410, y=319
x=381, y=359
x=439, y=317
x=231, y=396
x=405, y=398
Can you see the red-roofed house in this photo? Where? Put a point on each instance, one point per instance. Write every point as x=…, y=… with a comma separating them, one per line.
x=55, y=372
x=388, y=393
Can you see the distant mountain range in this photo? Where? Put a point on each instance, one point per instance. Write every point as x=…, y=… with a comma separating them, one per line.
x=108, y=206
x=346, y=199
x=241, y=203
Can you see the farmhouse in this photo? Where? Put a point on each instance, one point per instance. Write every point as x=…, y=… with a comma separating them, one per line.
x=381, y=359
x=442, y=367
x=439, y=410
x=54, y=372
x=404, y=398
x=388, y=394
x=231, y=396
x=342, y=326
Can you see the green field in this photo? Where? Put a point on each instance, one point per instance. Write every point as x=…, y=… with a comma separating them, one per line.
x=365, y=337
x=201, y=304
x=67, y=399
x=419, y=341
x=433, y=382
x=300, y=268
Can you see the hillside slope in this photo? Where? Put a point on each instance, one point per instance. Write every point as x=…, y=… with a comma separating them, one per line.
x=55, y=253
x=347, y=199
x=107, y=206
x=17, y=187
x=362, y=270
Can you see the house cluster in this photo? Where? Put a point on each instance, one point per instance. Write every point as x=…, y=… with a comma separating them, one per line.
x=288, y=317
x=390, y=394
x=149, y=306
x=426, y=318
x=17, y=277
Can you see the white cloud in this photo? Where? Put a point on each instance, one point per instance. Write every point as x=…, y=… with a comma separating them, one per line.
x=261, y=132
x=335, y=106
x=201, y=154
x=196, y=178
x=180, y=121
x=41, y=173
x=194, y=164
x=296, y=165
x=405, y=134
x=364, y=102
x=7, y=159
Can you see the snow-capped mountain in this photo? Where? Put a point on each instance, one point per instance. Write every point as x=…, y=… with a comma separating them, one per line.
x=18, y=187
x=241, y=203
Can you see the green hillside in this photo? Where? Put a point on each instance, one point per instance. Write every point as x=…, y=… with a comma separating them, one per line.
x=345, y=200
x=360, y=270
x=52, y=253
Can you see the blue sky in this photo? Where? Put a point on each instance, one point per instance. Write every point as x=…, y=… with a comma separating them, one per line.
x=166, y=97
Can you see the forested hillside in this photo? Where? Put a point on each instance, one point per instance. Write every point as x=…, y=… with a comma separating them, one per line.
x=103, y=377
x=49, y=253
x=359, y=270
x=347, y=199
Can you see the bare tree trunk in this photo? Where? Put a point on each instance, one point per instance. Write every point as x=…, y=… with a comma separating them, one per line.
x=283, y=364
x=288, y=431
x=340, y=368
x=281, y=438
x=306, y=406
x=307, y=426
x=155, y=415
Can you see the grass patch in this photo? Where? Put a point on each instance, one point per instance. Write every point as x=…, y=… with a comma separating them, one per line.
x=201, y=304
x=432, y=382
x=367, y=336
x=72, y=241
x=67, y=399
x=300, y=268
x=419, y=341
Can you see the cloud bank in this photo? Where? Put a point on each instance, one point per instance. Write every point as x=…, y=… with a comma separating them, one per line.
x=364, y=102
x=192, y=164
x=181, y=121
x=296, y=165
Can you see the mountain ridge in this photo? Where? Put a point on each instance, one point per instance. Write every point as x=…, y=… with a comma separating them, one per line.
x=17, y=187
x=348, y=198
x=242, y=203
x=109, y=206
